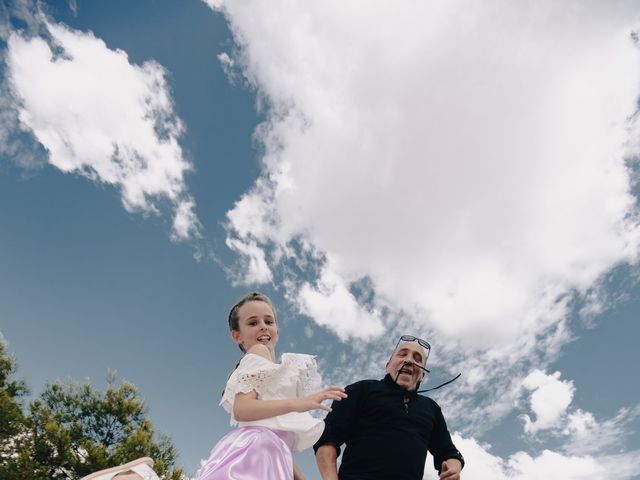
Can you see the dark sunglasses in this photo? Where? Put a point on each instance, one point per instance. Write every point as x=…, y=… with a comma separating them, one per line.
x=411, y=338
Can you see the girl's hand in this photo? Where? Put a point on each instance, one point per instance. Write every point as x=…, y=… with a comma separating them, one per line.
x=314, y=401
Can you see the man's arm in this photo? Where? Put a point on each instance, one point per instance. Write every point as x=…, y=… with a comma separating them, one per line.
x=444, y=451
x=327, y=460
x=337, y=429
x=451, y=469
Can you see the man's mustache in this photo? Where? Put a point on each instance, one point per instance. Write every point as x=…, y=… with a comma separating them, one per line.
x=412, y=364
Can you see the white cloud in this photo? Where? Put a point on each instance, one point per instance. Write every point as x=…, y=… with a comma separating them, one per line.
x=467, y=159
x=256, y=268
x=25, y=11
x=548, y=464
x=185, y=220
x=102, y=117
x=228, y=66
x=73, y=6
x=472, y=179
x=549, y=400
x=587, y=435
x=581, y=433
x=23, y=152
x=331, y=304
x=308, y=331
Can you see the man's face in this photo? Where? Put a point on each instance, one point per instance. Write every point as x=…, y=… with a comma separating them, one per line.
x=408, y=375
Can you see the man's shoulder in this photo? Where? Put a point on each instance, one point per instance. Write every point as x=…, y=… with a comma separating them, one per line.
x=429, y=404
x=428, y=400
x=366, y=381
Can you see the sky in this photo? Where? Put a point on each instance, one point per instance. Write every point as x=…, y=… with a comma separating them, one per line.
x=465, y=172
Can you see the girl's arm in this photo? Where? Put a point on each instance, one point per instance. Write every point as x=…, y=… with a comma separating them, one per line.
x=247, y=407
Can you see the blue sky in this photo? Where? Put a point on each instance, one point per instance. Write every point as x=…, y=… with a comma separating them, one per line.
x=465, y=173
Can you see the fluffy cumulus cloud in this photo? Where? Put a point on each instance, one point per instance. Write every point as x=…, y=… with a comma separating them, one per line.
x=102, y=117
x=467, y=160
x=331, y=300
x=474, y=174
x=549, y=400
x=482, y=464
x=587, y=435
x=586, y=446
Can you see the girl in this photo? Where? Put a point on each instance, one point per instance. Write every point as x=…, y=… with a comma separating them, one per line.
x=265, y=400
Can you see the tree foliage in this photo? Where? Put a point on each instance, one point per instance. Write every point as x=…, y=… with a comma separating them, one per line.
x=72, y=430
x=12, y=419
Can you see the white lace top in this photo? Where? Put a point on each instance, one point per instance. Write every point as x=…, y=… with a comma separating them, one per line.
x=295, y=376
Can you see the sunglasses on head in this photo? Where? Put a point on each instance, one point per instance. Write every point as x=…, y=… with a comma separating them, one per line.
x=411, y=338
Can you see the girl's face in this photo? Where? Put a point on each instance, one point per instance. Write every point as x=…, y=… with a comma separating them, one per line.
x=257, y=325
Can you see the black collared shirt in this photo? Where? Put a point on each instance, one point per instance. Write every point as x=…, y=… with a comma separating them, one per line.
x=387, y=431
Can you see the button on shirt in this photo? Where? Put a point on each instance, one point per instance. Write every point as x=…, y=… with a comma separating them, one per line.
x=387, y=431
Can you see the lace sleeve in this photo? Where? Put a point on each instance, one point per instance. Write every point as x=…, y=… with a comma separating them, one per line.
x=296, y=375
x=253, y=374
x=309, y=379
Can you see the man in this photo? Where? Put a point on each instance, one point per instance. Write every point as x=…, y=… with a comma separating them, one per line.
x=387, y=427
x=140, y=469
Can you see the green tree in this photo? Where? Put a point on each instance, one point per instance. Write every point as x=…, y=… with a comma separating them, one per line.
x=72, y=430
x=13, y=423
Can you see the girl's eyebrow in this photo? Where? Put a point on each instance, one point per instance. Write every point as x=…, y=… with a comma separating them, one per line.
x=254, y=317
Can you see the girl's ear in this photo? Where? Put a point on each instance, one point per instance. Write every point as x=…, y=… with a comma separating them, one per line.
x=235, y=335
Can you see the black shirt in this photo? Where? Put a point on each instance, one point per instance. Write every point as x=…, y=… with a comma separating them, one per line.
x=387, y=431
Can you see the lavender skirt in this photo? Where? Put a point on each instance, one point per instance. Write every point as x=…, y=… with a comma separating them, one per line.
x=250, y=453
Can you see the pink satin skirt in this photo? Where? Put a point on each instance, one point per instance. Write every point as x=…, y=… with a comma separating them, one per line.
x=250, y=453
